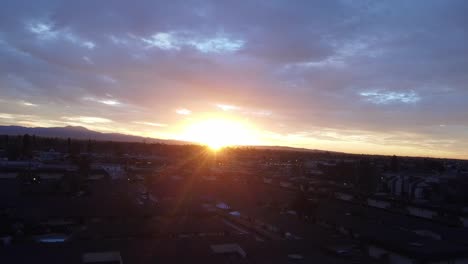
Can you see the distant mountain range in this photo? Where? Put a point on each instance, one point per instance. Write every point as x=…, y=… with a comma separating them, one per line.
x=79, y=132
x=291, y=149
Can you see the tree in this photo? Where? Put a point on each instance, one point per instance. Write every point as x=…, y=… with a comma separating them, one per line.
x=34, y=142
x=69, y=148
x=13, y=150
x=117, y=149
x=367, y=179
x=300, y=205
x=84, y=168
x=89, y=146
x=394, y=164
x=26, y=148
x=5, y=142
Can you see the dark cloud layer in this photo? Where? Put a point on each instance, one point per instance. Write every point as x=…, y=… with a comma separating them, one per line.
x=390, y=69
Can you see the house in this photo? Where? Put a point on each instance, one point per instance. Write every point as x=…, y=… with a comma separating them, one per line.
x=102, y=257
x=51, y=155
x=115, y=171
x=228, y=249
x=343, y=196
x=394, y=238
x=379, y=203
x=398, y=247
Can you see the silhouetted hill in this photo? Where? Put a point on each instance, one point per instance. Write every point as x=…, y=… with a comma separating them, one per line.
x=291, y=149
x=79, y=132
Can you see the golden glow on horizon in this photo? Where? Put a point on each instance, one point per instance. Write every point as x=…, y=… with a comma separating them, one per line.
x=219, y=133
x=223, y=129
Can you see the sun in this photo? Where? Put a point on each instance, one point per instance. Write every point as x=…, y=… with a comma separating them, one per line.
x=219, y=133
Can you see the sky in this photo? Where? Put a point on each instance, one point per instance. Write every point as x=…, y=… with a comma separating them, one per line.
x=383, y=77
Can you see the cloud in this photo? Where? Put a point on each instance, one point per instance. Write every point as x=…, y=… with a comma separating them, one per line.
x=359, y=65
x=178, y=40
x=47, y=31
x=6, y=116
x=226, y=107
x=43, y=30
x=26, y=103
x=88, y=119
x=164, y=41
x=388, y=97
x=150, y=124
x=88, y=60
x=261, y=113
x=107, y=79
x=183, y=111
x=218, y=45
x=107, y=101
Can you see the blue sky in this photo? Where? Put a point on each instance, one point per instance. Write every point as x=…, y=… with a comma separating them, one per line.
x=359, y=76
